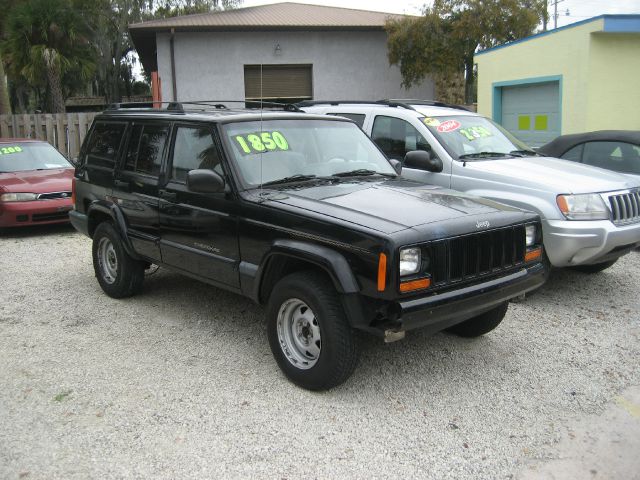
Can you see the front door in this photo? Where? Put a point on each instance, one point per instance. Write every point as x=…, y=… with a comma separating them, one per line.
x=396, y=137
x=199, y=231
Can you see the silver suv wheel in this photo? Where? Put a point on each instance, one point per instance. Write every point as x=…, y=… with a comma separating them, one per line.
x=107, y=260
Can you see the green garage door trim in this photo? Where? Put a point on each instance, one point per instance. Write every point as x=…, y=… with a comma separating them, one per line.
x=496, y=112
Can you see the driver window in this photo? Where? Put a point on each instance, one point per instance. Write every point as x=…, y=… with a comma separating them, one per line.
x=396, y=137
x=193, y=149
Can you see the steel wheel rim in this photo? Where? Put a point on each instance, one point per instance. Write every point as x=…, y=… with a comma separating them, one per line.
x=107, y=260
x=299, y=334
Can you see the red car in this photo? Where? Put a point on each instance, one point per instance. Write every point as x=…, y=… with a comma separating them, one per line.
x=35, y=183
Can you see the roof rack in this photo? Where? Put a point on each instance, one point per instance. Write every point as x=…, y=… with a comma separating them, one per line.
x=408, y=104
x=208, y=105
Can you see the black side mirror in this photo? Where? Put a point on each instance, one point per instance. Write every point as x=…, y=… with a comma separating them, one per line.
x=421, y=160
x=397, y=165
x=205, y=181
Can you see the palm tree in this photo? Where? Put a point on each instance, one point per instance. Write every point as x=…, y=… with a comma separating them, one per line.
x=45, y=39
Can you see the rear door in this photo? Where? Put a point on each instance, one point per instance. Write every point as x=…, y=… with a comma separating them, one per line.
x=136, y=184
x=199, y=230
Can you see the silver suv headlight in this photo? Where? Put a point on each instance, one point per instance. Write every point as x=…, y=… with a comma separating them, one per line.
x=587, y=206
x=410, y=260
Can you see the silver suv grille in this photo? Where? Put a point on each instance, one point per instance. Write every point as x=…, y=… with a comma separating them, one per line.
x=625, y=207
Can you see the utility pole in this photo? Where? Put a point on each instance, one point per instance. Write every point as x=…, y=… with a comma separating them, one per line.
x=555, y=12
x=544, y=17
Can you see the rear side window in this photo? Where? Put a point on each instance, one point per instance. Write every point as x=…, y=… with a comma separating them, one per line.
x=145, y=149
x=396, y=137
x=356, y=117
x=102, y=148
x=194, y=148
x=574, y=154
x=618, y=156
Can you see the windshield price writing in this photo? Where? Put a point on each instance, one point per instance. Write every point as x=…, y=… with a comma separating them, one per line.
x=260, y=142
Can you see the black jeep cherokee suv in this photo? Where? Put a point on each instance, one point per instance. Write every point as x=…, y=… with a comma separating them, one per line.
x=302, y=213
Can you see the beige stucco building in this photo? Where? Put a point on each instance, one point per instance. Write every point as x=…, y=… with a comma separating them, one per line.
x=578, y=78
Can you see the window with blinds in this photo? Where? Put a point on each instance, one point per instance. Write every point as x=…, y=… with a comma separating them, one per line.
x=287, y=83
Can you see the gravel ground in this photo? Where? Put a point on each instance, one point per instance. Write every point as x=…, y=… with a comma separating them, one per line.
x=179, y=382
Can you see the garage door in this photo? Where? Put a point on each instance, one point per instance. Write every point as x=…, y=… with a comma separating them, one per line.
x=532, y=112
x=286, y=83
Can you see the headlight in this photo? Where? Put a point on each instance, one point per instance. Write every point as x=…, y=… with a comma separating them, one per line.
x=18, y=197
x=530, y=235
x=409, y=261
x=588, y=206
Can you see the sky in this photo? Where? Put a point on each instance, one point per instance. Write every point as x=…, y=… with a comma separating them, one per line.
x=578, y=9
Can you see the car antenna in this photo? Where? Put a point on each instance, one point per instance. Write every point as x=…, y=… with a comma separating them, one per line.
x=261, y=153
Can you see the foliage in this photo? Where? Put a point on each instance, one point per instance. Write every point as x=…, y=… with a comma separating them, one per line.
x=45, y=44
x=444, y=40
x=56, y=48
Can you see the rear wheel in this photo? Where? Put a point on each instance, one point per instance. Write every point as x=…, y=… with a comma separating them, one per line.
x=118, y=274
x=595, y=268
x=481, y=324
x=309, y=335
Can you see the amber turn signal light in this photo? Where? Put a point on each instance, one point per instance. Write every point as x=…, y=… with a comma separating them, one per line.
x=382, y=272
x=534, y=254
x=415, y=285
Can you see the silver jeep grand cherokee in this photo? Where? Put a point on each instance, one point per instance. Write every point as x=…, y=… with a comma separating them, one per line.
x=590, y=216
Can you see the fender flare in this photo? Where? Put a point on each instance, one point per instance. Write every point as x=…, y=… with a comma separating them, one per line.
x=332, y=262
x=119, y=222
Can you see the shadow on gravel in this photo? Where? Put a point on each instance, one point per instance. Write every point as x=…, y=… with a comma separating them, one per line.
x=36, y=231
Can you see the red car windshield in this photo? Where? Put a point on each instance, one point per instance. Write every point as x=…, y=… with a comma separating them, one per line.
x=24, y=156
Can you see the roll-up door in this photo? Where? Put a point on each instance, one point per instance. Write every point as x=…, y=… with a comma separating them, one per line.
x=277, y=82
x=532, y=112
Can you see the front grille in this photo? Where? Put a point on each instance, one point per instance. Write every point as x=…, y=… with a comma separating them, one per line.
x=480, y=254
x=625, y=207
x=54, y=195
x=46, y=217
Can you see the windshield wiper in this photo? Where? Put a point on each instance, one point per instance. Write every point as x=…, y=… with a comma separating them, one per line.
x=298, y=177
x=484, y=154
x=361, y=172
x=525, y=153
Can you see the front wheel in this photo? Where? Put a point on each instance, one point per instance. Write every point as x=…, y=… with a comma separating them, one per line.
x=118, y=274
x=596, y=268
x=308, y=331
x=480, y=324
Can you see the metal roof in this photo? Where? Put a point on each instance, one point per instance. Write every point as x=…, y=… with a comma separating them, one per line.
x=278, y=15
x=286, y=16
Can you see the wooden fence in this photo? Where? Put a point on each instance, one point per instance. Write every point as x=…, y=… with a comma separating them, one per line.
x=65, y=131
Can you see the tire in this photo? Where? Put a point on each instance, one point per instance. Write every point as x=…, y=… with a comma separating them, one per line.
x=481, y=324
x=118, y=274
x=308, y=332
x=595, y=268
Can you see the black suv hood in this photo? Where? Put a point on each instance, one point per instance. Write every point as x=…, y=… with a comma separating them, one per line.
x=388, y=205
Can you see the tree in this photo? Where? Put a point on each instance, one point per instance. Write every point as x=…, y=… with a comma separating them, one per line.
x=443, y=41
x=109, y=21
x=45, y=40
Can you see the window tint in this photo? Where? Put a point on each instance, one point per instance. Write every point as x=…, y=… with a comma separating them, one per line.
x=396, y=137
x=102, y=149
x=618, y=156
x=145, y=149
x=356, y=117
x=574, y=154
x=194, y=148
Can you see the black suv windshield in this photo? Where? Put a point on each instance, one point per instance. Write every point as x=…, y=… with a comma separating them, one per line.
x=24, y=156
x=471, y=137
x=302, y=150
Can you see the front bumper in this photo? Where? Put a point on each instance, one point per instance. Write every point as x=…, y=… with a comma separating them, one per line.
x=80, y=222
x=570, y=243
x=36, y=212
x=440, y=311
